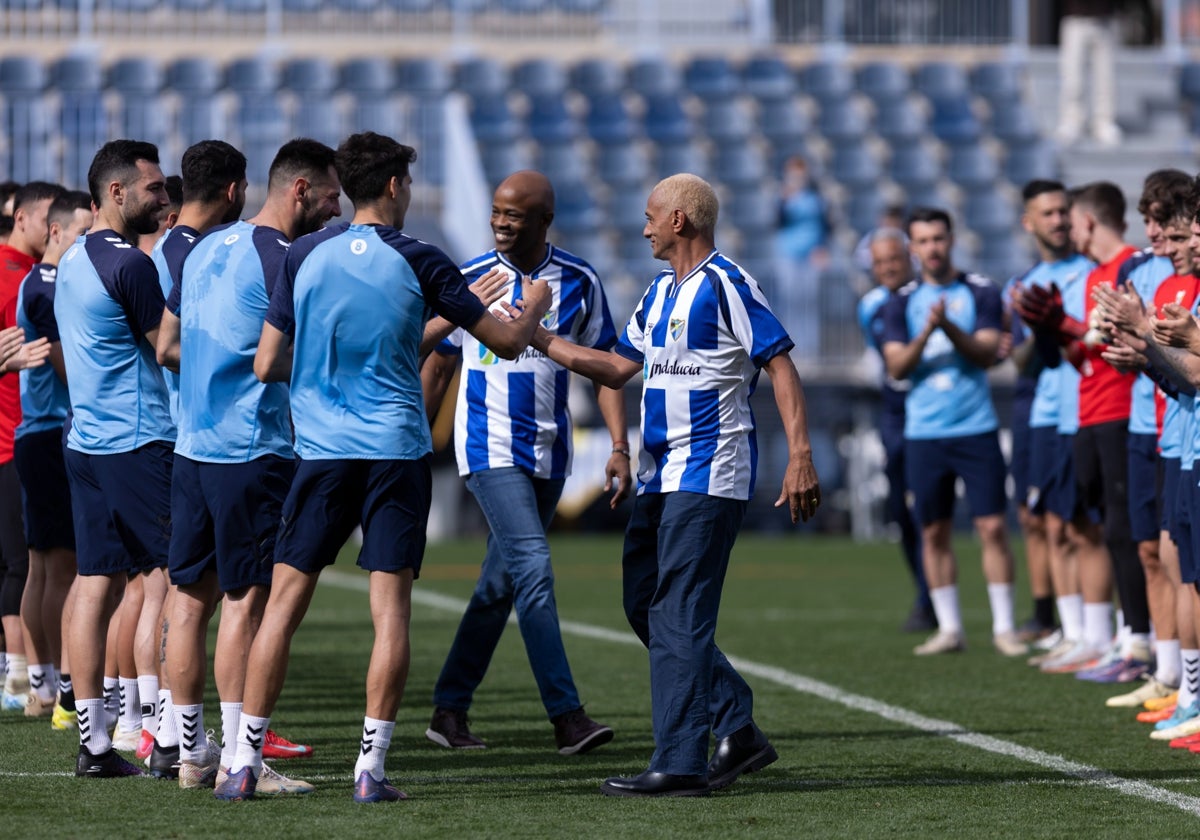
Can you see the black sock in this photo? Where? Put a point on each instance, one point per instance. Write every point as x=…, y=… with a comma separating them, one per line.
x=66, y=692
x=1043, y=611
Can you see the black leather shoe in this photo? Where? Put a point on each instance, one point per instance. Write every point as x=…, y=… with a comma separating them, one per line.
x=744, y=751
x=650, y=783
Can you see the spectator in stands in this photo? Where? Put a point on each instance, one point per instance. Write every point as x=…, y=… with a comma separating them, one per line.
x=891, y=266
x=802, y=249
x=1088, y=27
x=892, y=218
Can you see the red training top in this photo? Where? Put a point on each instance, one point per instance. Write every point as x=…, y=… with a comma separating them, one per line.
x=1180, y=290
x=1105, y=394
x=14, y=266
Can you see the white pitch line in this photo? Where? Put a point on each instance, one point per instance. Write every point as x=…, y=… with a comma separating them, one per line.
x=806, y=685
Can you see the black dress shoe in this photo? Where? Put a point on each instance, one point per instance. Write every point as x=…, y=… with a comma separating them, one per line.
x=744, y=751
x=650, y=783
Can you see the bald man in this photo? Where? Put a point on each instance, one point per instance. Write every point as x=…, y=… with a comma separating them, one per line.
x=512, y=437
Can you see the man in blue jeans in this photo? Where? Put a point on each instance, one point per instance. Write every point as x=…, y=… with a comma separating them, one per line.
x=513, y=443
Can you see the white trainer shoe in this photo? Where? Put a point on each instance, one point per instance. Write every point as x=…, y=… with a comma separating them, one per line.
x=943, y=641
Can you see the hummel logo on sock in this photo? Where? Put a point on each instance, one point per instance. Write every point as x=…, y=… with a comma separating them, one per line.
x=36, y=681
x=254, y=736
x=84, y=722
x=190, y=731
x=366, y=739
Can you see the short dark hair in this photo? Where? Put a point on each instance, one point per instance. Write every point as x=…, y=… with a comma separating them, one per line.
x=114, y=161
x=1105, y=201
x=64, y=207
x=36, y=191
x=928, y=214
x=1040, y=186
x=208, y=168
x=173, y=184
x=367, y=161
x=299, y=158
x=1165, y=195
x=7, y=190
x=1194, y=199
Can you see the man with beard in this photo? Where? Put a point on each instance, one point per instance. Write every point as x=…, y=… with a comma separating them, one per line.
x=109, y=305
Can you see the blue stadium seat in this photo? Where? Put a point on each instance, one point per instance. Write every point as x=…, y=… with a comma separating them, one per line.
x=854, y=166
x=575, y=208
x=828, y=81
x=412, y=6
x=524, y=7
x=914, y=167
x=1189, y=81
x=843, y=121
x=22, y=74
x=356, y=6
x=626, y=209
x=136, y=75
x=368, y=76
x=883, y=81
x=609, y=120
x=990, y=213
x=942, y=80
x=666, y=121
x=540, y=77
x=244, y=6
x=900, y=121
x=594, y=76
x=190, y=5
x=310, y=75
x=131, y=5
x=1037, y=160
x=316, y=112
x=997, y=81
x=83, y=118
x=711, y=77
x=768, y=78
x=1014, y=123
x=141, y=114
x=550, y=121
x=929, y=195
x=77, y=73
x=752, y=209
x=302, y=6
x=201, y=115
x=653, y=78
x=784, y=122
x=954, y=122
x=252, y=75
x=493, y=121
x=581, y=7
x=427, y=126
x=478, y=77
x=687, y=156
x=1002, y=256
x=194, y=76
x=633, y=247
x=728, y=120
x=972, y=167
x=622, y=164
x=863, y=209
x=503, y=159
x=424, y=76
x=739, y=166
x=563, y=163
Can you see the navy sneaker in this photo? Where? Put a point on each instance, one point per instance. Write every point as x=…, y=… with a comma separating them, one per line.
x=366, y=789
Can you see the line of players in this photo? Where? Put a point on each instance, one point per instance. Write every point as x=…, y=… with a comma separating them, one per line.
x=1107, y=348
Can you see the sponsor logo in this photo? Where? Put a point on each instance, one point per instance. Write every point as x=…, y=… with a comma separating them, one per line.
x=671, y=369
x=117, y=242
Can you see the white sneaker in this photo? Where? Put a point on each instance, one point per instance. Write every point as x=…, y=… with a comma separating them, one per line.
x=1151, y=689
x=1007, y=644
x=1058, y=650
x=127, y=740
x=943, y=641
x=1079, y=656
x=273, y=783
x=194, y=775
x=1048, y=643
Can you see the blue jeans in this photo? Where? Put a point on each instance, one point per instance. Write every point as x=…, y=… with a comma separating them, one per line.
x=676, y=553
x=516, y=571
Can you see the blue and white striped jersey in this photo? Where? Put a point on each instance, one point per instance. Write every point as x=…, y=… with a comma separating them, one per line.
x=107, y=298
x=701, y=341
x=514, y=413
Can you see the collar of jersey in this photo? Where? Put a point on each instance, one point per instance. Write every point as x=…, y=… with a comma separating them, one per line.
x=503, y=260
x=698, y=268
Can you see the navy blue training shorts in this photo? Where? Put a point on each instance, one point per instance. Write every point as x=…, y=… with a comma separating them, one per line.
x=931, y=467
x=46, y=494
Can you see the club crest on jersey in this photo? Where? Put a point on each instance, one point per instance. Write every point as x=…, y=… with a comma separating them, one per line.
x=550, y=319
x=486, y=356
x=676, y=327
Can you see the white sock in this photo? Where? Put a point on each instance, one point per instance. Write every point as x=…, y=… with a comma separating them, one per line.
x=112, y=702
x=1191, y=677
x=1167, y=657
x=945, y=607
x=131, y=711
x=1097, y=625
x=18, y=674
x=189, y=720
x=231, y=716
x=41, y=681
x=168, y=731
x=376, y=738
x=3, y=665
x=1119, y=623
x=148, y=692
x=1070, y=614
x=1135, y=645
x=1000, y=596
x=93, y=737
x=252, y=731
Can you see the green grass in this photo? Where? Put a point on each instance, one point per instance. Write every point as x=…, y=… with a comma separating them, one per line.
x=827, y=609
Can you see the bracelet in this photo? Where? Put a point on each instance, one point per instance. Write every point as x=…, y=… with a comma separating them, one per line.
x=620, y=450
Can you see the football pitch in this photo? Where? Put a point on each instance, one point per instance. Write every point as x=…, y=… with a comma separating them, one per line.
x=872, y=741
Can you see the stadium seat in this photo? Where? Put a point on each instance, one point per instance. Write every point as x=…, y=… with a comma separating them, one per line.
x=22, y=74
x=194, y=76
x=927, y=195
x=372, y=82
x=502, y=159
x=653, y=78
x=940, y=80
x=827, y=81
x=900, y=121
x=1025, y=163
x=190, y=5
x=581, y=7
x=666, y=121
x=1014, y=123
x=954, y=122
x=972, y=167
x=595, y=76
x=575, y=209
x=863, y=209
x=316, y=112
x=540, y=77
x=768, y=78
x=883, y=81
x=914, y=167
x=368, y=75
x=622, y=164
x=855, y=166
x=997, y=81
x=784, y=122
x=626, y=209
x=77, y=73
x=563, y=163
x=252, y=76
x=1189, y=81
x=29, y=119
x=412, y=6
x=739, y=165
x=728, y=120
x=687, y=156
x=550, y=121
x=136, y=75
x=608, y=119
x=481, y=77
x=141, y=113
x=752, y=209
x=523, y=7
x=358, y=6
x=990, y=212
x=302, y=6
x=201, y=114
x=246, y=7
x=711, y=77
x=311, y=75
x=83, y=118
x=493, y=120
x=843, y=121
x=424, y=76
